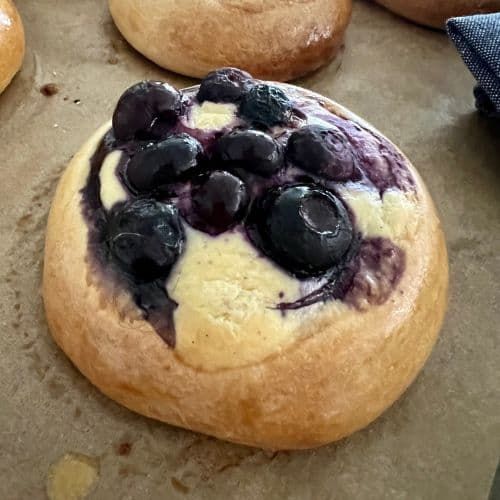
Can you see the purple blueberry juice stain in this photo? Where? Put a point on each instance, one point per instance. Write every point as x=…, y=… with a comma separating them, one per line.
x=151, y=296
x=380, y=265
x=381, y=164
x=247, y=177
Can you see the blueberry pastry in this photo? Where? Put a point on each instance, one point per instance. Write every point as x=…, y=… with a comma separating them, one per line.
x=435, y=13
x=273, y=39
x=11, y=42
x=245, y=259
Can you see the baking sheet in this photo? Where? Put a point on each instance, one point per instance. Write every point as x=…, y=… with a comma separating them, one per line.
x=441, y=440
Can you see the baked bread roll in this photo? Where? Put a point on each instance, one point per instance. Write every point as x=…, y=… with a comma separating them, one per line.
x=245, y=259
x=11, y=42
x=278, y=40
x=435, y=13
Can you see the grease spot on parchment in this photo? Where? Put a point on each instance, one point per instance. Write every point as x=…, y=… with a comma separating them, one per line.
x=179, y=486
x=56, y=388
x=72, y=477
x=131, y=470
x=38, y=364
x=205, y=458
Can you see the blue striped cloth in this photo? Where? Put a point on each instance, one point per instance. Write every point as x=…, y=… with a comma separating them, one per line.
x=477, y=38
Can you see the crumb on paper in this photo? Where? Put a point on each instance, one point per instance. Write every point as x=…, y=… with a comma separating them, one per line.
x=72, y=477
x=124, y=449
x=49, y=89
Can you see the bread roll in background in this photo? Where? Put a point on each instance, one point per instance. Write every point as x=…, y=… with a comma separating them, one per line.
x=278, y=40
x=11, y=42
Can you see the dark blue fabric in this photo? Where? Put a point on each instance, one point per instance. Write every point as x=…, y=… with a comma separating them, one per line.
x=495, y=487
x=478, y=40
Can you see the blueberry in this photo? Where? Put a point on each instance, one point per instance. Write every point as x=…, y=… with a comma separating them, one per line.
x=265, y=106
x=146, y=110
x=323, y=151
x=224, y=85
x=218, y=202
x=303, y=228
x=163, y=162
x=145, y=238
x=251, y=150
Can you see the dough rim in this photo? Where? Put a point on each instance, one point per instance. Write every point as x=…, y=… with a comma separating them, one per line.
x=304, y=396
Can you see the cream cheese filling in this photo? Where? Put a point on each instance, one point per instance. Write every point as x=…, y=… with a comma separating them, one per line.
x=211, y=115
x=112, y=190
x=395, y=215
x=227, y=295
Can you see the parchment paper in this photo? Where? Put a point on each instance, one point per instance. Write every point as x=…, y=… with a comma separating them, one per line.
x=440, y=441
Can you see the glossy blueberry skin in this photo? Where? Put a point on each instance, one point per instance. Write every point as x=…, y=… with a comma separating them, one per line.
x=218, y=202
x=146, y=111
x=145, y=238
x=323, y=151
x=251, y=150
x=303, y=228
x=224, y=85
x=158, y=164
x=265, y=106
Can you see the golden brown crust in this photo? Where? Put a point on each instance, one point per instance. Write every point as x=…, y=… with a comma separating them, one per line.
x=278, y=40
x=333, y=380
x=11, y=42
x=434, y=13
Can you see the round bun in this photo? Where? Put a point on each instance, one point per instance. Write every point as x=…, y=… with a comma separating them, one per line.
x=11, y=42
x=435, y=13
x=236, y=372
x=278, y=40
